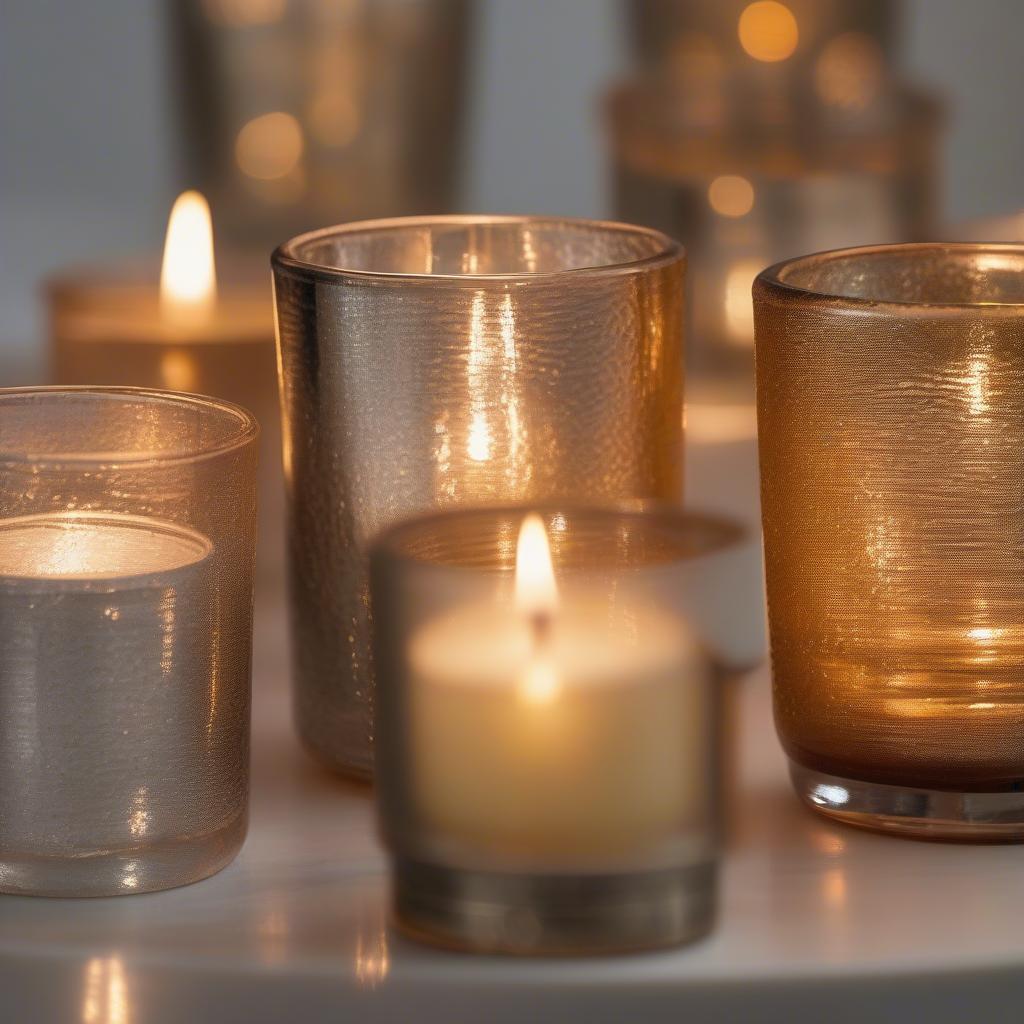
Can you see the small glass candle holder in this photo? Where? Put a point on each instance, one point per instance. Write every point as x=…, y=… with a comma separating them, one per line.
x=127, y=531
x=547, y=759
x=746, y=171
x=891, y=424
x=448, y=361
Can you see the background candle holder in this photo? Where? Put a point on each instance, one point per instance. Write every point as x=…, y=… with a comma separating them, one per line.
x=747, y=170
x=891, y=416
x=108, y=327
x=548, y=779
x=452, y=361
x=127, y=530
x=301, y=114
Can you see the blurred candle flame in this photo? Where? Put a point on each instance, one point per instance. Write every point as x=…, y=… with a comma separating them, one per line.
x=188, y=281
x=536, y=590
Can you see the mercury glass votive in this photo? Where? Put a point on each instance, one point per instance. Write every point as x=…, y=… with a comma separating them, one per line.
x=891, y=425
x=127, y=530
x=547, y=760
x=450, y=361
x=299, y=113
x=747, y=170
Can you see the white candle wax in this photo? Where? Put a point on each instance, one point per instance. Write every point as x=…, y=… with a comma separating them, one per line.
x=589, y=744
x=93, y=546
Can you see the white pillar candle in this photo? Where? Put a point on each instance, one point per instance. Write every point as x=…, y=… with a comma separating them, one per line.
x=563, y=728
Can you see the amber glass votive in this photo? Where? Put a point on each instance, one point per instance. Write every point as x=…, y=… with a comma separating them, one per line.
x=457, y=361
x=127, y=531
x=547, y=754
x=891, y=425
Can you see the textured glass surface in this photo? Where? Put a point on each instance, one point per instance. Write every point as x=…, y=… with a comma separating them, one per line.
x=127, y=530
x=747, y=170
x=458, y=361
x=578, y=747
x=301, y=114
x=891, y=424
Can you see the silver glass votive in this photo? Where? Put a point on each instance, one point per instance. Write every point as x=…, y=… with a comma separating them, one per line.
x=454, y=361
x=127, y=530
x=547, y=761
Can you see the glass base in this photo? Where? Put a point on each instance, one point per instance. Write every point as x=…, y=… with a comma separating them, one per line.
x=969, y=817
x=534, y=915
x=124, y=872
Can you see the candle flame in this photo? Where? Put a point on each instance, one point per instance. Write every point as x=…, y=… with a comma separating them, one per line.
x=536, y=590
x=188, y=281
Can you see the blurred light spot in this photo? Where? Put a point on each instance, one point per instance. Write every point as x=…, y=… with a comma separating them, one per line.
x=848, y=72
x=982, y=634
x=105, y=1000
x=269, y=146
x=981, y=706
x=833, y=888
x=372, y=960
x=178, y=370
x=768, y=31
x=739, y=304
x=731, y=195
x=977, y=385
x=334, y=118
x=242, y=13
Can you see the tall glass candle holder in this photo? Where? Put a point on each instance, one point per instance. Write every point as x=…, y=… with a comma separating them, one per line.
x=453, y=361
x=127, y=529
x=302, y=114
x=891, y=424
x=547, y=760
x=746, y=172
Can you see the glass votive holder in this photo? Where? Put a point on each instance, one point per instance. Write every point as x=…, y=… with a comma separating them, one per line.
x=547, y=762
x=746, y=175
x=303, y=114
x=448, y=361
x=891, y=424
x=127, y=530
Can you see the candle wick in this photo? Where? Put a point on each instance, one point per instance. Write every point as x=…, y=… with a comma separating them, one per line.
x=540, y=625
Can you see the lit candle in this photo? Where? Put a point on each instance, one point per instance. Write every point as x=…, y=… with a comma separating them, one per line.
x=189, y=331
x=560, y=727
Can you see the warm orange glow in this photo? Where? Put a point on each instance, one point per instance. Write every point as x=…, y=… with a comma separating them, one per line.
x=269, y=146
x=540, y=682
x=739, y=304
x=245, y=13
x=536, y=590
x=768, y=31
x=731, y=195
x=188, y=281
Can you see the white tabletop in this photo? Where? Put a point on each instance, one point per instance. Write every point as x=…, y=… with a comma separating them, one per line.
x=817, y=922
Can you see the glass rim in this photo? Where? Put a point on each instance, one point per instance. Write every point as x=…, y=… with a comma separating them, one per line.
x=247, y=431
x=286, y=256
x=721, y=532
x=772, y=278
